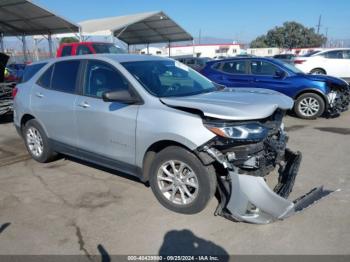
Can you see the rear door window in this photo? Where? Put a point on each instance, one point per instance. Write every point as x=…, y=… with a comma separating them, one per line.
x=65, y=75
x=234, y=67
x=216, y=65
x=337, y=54
x=30, y=71
x=346, y=54
x=83, y=50
x=66, y=50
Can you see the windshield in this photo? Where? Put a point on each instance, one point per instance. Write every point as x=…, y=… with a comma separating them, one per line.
x=290, y=67
x=311, y=53
x=108, y=49
x=169, y=78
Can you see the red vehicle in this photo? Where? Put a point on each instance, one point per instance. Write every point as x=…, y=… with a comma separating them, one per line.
x=84, y=48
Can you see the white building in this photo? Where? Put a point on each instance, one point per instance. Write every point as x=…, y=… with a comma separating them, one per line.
x=270, y=51
x=153, y=51
x=205, y=50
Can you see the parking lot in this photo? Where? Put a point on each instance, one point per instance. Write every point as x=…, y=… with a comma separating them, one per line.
x=71, y=207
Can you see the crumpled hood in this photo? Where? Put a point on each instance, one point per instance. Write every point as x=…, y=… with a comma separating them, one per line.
x=234, y=103
x=326, y=78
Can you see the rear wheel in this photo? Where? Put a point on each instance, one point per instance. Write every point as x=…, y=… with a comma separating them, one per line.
x=37, y=142
x=181, y=182
x=309, y=106
x=318, y=71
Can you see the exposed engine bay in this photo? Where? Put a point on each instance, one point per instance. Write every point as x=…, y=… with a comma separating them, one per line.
x=6, y=101
x=338, y=99
x=243, y=191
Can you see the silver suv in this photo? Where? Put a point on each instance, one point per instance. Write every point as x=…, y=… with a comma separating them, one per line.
x=161, y=121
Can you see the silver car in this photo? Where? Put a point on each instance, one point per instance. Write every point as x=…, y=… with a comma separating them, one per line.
x=161, y=121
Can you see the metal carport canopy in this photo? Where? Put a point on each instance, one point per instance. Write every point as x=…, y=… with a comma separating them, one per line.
x=142, y=28
x=21, y=17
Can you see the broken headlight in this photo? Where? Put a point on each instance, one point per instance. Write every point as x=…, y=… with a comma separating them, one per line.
x=248, y=131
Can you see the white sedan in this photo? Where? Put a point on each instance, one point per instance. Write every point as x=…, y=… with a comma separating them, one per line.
x=334, y=62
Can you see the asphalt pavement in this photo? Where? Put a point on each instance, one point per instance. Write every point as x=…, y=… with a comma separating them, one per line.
x=72, y=207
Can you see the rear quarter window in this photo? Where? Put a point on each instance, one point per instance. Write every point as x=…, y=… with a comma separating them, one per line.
x=45, y=78
x=30, y=71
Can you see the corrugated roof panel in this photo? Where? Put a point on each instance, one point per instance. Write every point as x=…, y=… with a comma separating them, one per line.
x=19, y=17
x=144, y=28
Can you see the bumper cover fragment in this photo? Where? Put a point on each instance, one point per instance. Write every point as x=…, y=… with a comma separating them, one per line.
x=249, y=199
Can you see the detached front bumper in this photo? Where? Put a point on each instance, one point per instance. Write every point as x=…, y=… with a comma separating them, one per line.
x=248, y=198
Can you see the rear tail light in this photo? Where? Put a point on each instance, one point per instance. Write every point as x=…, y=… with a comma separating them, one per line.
x=299, y=62
x=14, y=92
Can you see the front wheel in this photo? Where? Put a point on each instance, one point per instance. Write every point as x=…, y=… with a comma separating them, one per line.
x=181, y=182
x=309, y=106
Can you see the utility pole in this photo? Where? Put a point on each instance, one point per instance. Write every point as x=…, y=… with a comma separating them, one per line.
x=319, y=24
x=326, y=36
x=199, y=36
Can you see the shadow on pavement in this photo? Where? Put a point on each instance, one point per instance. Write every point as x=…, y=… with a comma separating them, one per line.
x=105, y=257
x=5, y=119
x=105, y=169
x=335, y=130
x=4, y=226
x=185, y=243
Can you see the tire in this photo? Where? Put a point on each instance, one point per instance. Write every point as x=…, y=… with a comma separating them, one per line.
x=35, y=139
x=193, y=173
x=318, y=71
x=309, y=106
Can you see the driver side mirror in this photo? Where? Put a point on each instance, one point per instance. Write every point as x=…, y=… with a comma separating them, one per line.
x=280, y=74
x=122, y=96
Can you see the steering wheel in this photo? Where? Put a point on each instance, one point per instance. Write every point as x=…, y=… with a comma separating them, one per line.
x=173, y=88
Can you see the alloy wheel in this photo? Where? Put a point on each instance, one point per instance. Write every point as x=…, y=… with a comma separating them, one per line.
x=309, y=107
x=177, y=182
x=34, y=141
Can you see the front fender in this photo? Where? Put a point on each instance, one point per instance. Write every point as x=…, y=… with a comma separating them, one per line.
x=168, y=124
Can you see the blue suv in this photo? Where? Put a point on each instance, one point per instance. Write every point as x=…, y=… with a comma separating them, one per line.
x=314, y=95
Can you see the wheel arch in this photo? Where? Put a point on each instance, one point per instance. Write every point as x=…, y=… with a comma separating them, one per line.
x=25, y=118
x=319, y=68
x=313, y=91
x=158, y=146
x=151, y=152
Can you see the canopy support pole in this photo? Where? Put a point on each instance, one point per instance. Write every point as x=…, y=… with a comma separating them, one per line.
x=147, y=49
x=169, y=48
x=49, y=39
x=128, y=49
x=80, y=35
x=2, y=43
x=24, y=47
x=193, y=51
x=36, y=52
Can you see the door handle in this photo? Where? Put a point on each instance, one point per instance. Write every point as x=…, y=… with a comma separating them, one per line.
x=40, y=95
x=84, y=104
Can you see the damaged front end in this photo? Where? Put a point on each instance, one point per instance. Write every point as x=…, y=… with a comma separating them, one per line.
x=338, y=99
x=246, y=153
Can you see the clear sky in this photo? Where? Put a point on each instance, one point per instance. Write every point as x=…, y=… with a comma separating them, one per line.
x=241, y=20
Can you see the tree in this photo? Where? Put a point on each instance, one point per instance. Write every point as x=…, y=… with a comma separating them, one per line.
x=290, y=35
x=67, y=40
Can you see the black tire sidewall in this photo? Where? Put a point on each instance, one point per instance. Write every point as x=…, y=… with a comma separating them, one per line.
x=47, y=154
x=205, y=175
x=318, y=98
x=318, y=70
